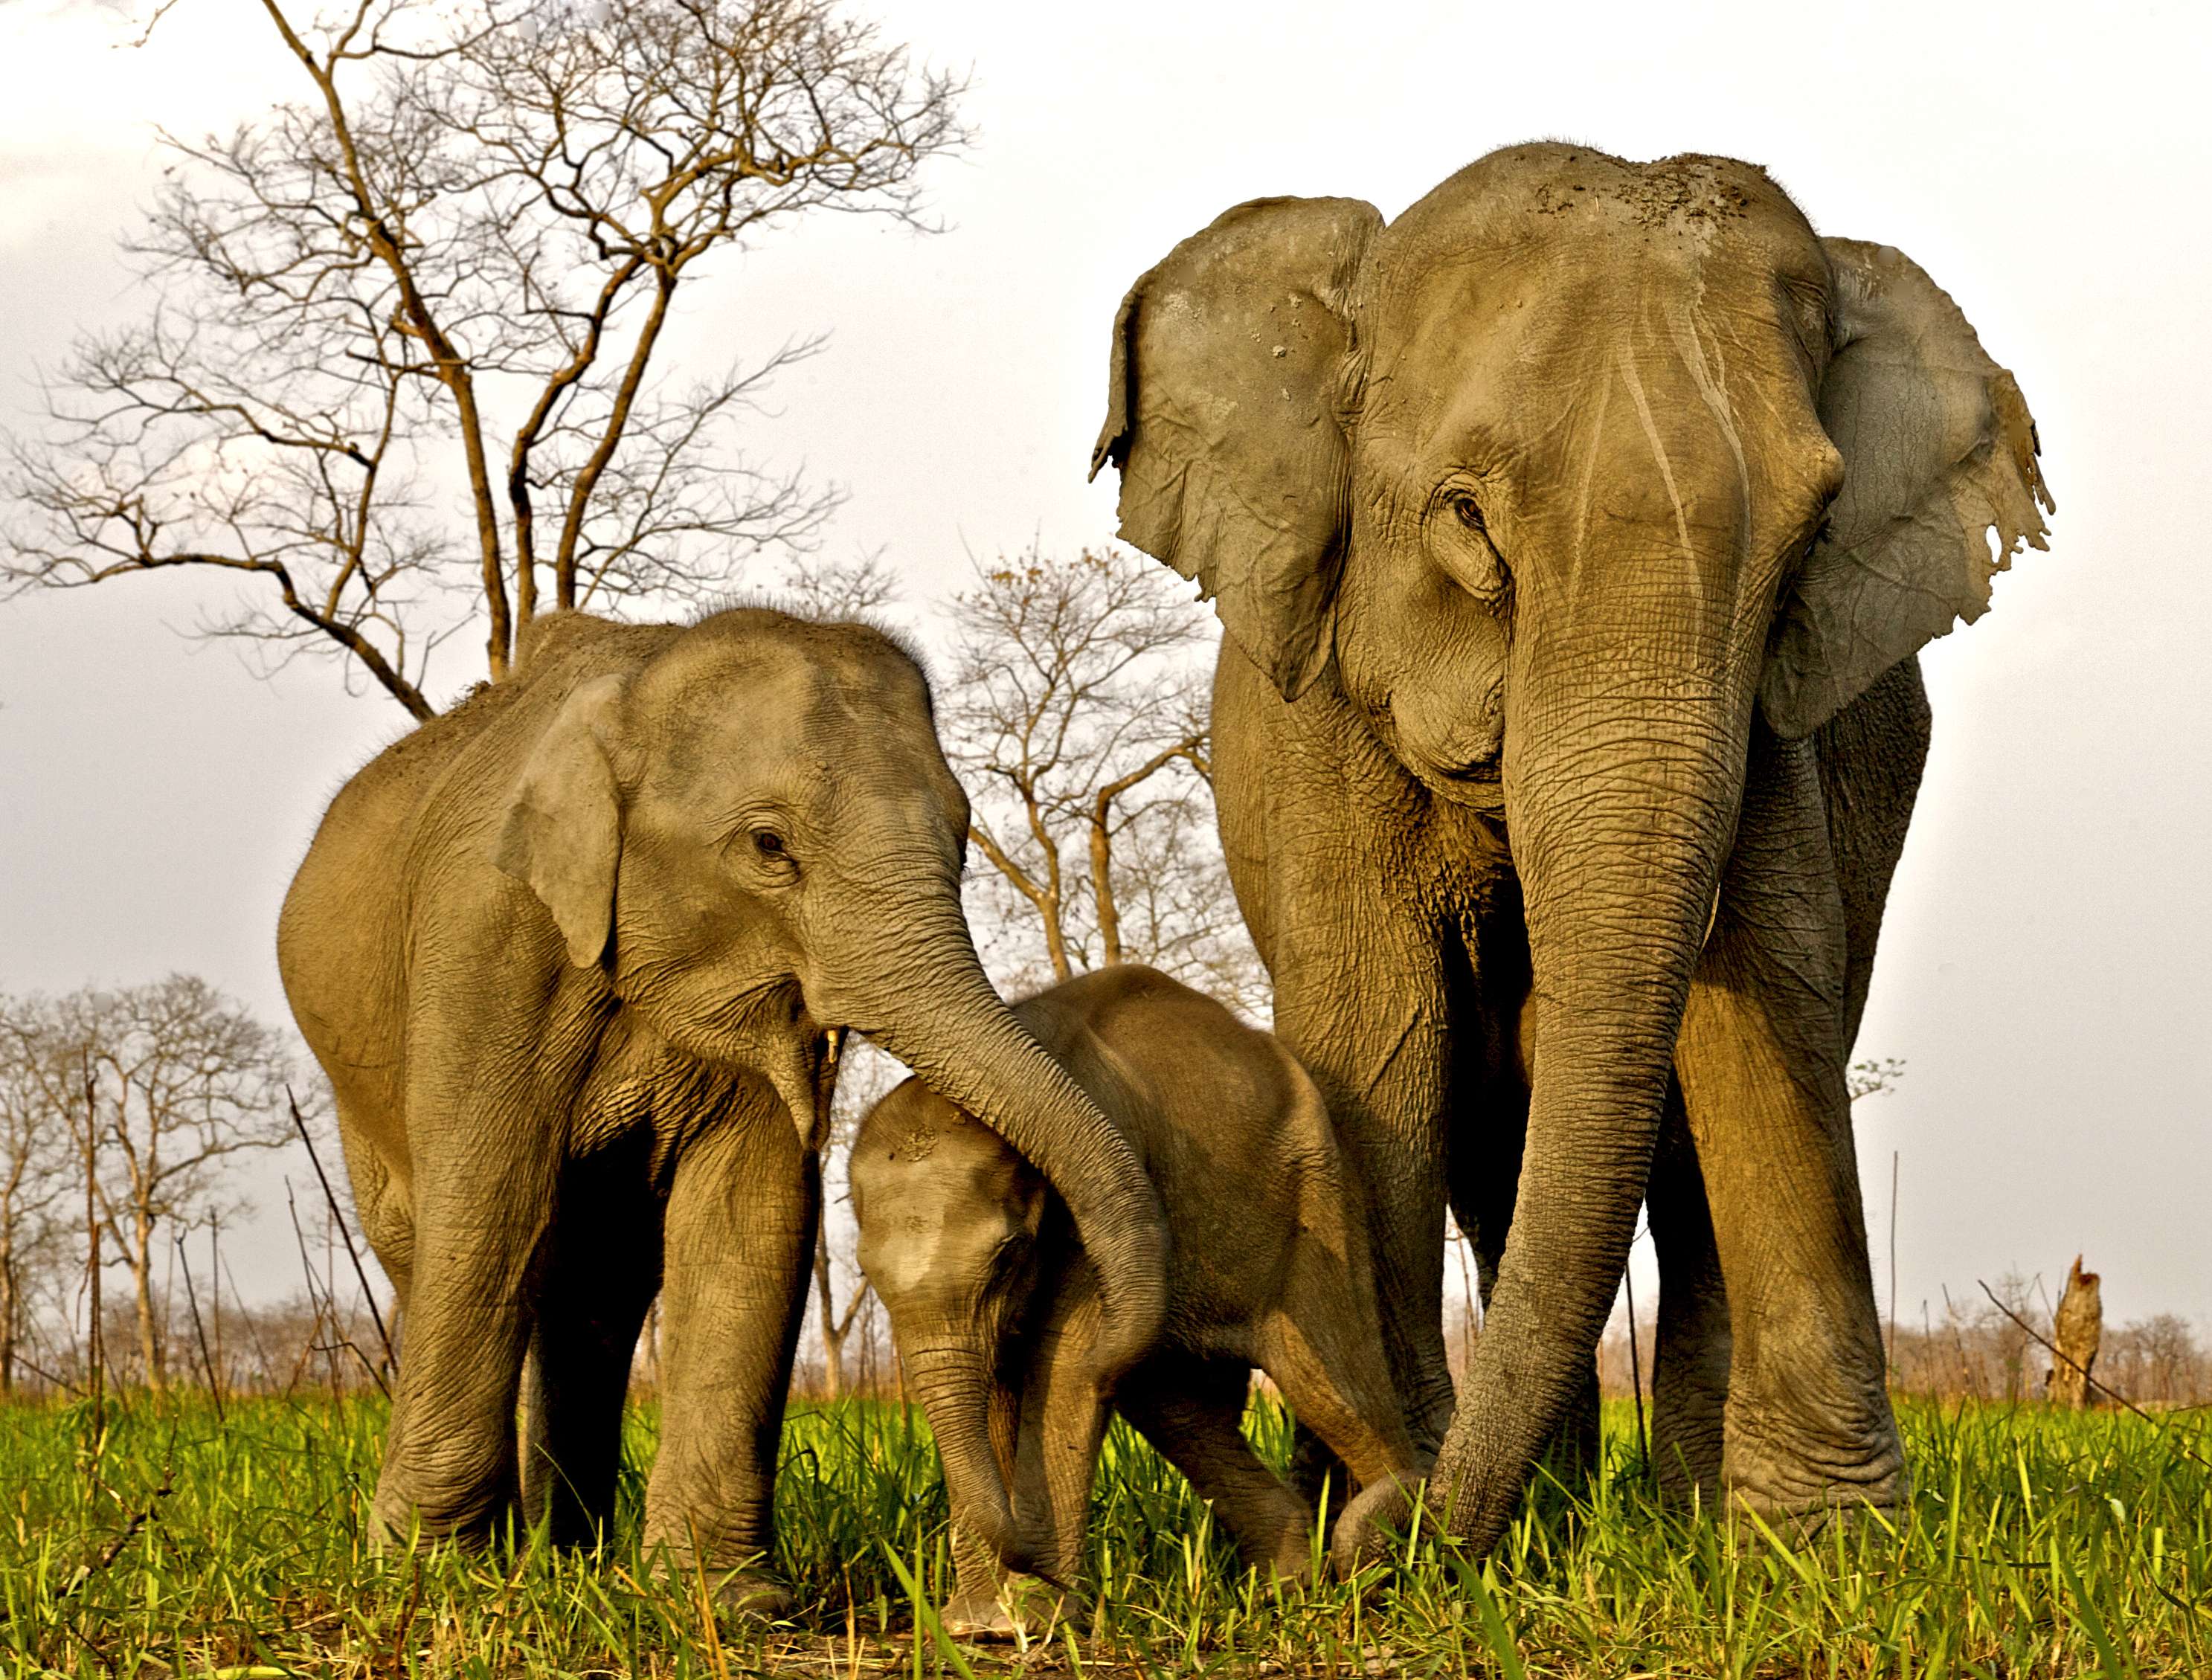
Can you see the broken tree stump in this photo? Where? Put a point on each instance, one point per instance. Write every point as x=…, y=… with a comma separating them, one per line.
x=2076, y=1331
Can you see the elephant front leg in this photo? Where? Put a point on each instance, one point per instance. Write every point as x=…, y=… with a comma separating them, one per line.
x=1193, y=1411
x=1761, y=1059
x=739, y=1235
x=1363, y=1005
x=479, y=1218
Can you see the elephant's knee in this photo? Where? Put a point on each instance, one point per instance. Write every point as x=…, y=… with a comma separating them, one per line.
x=458, y=1488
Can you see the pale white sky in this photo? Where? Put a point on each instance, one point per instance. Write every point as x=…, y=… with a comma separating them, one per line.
x=2044, y=971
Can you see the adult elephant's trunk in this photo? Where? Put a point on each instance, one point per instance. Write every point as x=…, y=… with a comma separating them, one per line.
x=953, y=1381
x=1621, y=793
x=924, y=998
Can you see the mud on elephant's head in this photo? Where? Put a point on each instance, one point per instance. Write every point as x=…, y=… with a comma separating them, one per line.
x=753, y=835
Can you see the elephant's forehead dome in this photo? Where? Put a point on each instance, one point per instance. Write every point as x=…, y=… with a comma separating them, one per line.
x=765, y=682
x=1548, y=197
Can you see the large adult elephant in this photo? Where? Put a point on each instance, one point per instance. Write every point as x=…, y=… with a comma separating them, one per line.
x=571, y=955
x=1575, y=534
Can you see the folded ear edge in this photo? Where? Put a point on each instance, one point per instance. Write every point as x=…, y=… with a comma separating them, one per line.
x=1953, y=458
x=561, y=832
x=1222, y=394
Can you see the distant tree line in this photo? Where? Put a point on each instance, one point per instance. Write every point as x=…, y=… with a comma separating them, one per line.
x=1978, y=1349
x=125, y=1113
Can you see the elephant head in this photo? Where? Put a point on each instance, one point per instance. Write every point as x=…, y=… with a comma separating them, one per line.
x=950, y=1220
x=753, y=835
x=1573, y=470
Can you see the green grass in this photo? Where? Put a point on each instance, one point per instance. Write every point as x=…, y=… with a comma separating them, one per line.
x=2037, y=1543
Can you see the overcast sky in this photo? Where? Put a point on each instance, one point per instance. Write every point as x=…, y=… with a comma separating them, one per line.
x=2043, y=970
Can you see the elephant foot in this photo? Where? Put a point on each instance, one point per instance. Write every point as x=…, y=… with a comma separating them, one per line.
x=1800, y=1526
x=1022, y=1608
x=1686, y=1459
x=399, y=1526
x=746, y=1589
x=1801, y=1490
x=1382, y=1515
x=752, y=1593
x=1290, y=1559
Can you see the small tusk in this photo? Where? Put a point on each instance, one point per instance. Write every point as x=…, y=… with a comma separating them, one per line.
x=814, y=1133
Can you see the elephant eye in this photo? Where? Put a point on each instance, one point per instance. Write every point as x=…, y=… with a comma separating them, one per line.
x=769, y=844
x=1468, y=512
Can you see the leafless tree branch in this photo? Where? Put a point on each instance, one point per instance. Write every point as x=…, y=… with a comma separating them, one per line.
x=1077, y=713
x=465, y=242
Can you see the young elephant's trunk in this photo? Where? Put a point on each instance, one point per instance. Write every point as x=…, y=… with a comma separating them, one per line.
x=927, y=1002
x=954, y=1384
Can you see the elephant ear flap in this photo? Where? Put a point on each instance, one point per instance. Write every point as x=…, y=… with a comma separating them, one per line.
x=563, y=831
x=1221, y=414
x=1939, y=449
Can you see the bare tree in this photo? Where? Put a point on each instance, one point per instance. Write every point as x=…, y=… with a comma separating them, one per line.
x=1078, y=716
x=35, y=1159
x=443, y=276
x=813, y=587
x=2158, y=1360
x=179, y=1080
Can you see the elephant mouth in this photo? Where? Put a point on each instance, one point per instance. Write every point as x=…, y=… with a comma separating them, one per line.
x=1461, y=764
x=1480, y=787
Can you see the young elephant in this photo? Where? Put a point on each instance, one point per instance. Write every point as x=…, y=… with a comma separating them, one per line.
x=572, y=956
x=992, y=1299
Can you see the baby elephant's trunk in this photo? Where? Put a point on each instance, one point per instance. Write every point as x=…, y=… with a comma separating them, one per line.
x=954, y=1384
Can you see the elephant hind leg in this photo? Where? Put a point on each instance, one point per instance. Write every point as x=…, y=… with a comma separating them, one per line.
x=1870, y=757
x=1689, y=1364
x=482, y=1179
x=380, y=1205
x=1484, y=1178
x=590, y=1305
x=1193, y=1411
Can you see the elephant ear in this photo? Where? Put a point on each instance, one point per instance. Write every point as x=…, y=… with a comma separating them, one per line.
x=1939, y=449
x=562, y=831
x=1221, y=414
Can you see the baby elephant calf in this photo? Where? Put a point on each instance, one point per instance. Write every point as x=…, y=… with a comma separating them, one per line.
x=993, y=1301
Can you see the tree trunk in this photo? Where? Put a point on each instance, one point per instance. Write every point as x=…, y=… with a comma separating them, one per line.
x=142, y=1281
x=8, y=1311
x=94, y=1353
x=2076, y=1329
x=833, y=1340
x=1102, y=885
x=142, y=1276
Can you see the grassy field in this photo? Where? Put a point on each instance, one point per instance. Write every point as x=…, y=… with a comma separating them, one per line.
x=2037, y=1543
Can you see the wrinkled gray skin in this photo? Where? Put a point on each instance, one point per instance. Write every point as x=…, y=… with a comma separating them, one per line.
x=1575, y=534
x=993, y=1297
x=570, y=955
